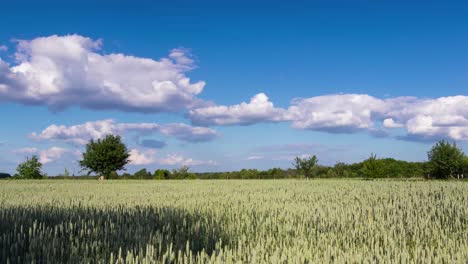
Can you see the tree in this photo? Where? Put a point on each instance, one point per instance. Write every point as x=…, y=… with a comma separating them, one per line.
x=142, y=174
x=372, y=167
x=30, y=169
x=445, y=160
x=105, y=156
x=305, y=165
x=65, y=174
x=160, y=174
x=181, y=173
x=340, y=170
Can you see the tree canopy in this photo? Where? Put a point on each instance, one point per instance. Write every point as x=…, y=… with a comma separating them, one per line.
x=305, y=165
x=30, y=169
x=445, y=160
x=105, y=156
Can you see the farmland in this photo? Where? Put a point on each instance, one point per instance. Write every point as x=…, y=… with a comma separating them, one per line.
x=234, y=221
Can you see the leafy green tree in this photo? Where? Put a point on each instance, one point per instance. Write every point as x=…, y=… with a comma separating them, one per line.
x=372, y=167
x=305, y=165
x=30, y=169
x=192, y=176
x=142, y=174
x=181, y=173
x=105, y=156
x=339, y=170
x=445, y=160
x=160, y=174
x=275, y=173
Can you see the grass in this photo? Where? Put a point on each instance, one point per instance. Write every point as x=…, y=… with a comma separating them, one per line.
x=234, y=221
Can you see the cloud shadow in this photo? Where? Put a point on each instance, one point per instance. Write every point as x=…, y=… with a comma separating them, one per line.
x=50, y=234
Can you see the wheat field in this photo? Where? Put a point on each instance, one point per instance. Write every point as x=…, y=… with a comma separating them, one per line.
x=233, y=221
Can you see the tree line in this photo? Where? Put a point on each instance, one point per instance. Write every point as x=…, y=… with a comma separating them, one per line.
x=104, y=157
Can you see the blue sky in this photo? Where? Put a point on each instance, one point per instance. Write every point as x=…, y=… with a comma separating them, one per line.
x=339, y=79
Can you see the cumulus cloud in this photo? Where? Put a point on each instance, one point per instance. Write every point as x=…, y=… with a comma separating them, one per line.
x=82, y=133
x=141, y=157
x=52, y=154
x=71, y=70
x=331, y=113
x=259, y=109
x=47, y=155
x=444, y=117
x=390, y=123
x=63, y=71
x=422, y=118
x=335, y=113
x=148, y=156
x=175, y=159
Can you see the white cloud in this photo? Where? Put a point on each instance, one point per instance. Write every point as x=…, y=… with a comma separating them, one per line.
x=141, y=157
x=52, y=154
x=335, y=113
x=62, y=71
x=390, y=123
x=332, y=113
x=82, y=133
x=3, y=48
x=259, y=109
x=25, y=151
x=182, y=57
x=47, y=155
x=255, y=157
x=148, y=156
x=444, y=117
x=175, y=159
x=423, y=119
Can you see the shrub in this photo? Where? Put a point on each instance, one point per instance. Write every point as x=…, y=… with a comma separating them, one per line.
x=371, y=167
x=445, y=160
x=4, y=175
x=30, y=169
x=181, y=173
x=142, y=174
x=160, y=174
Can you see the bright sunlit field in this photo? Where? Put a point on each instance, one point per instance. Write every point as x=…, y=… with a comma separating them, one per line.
x=229, y=221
